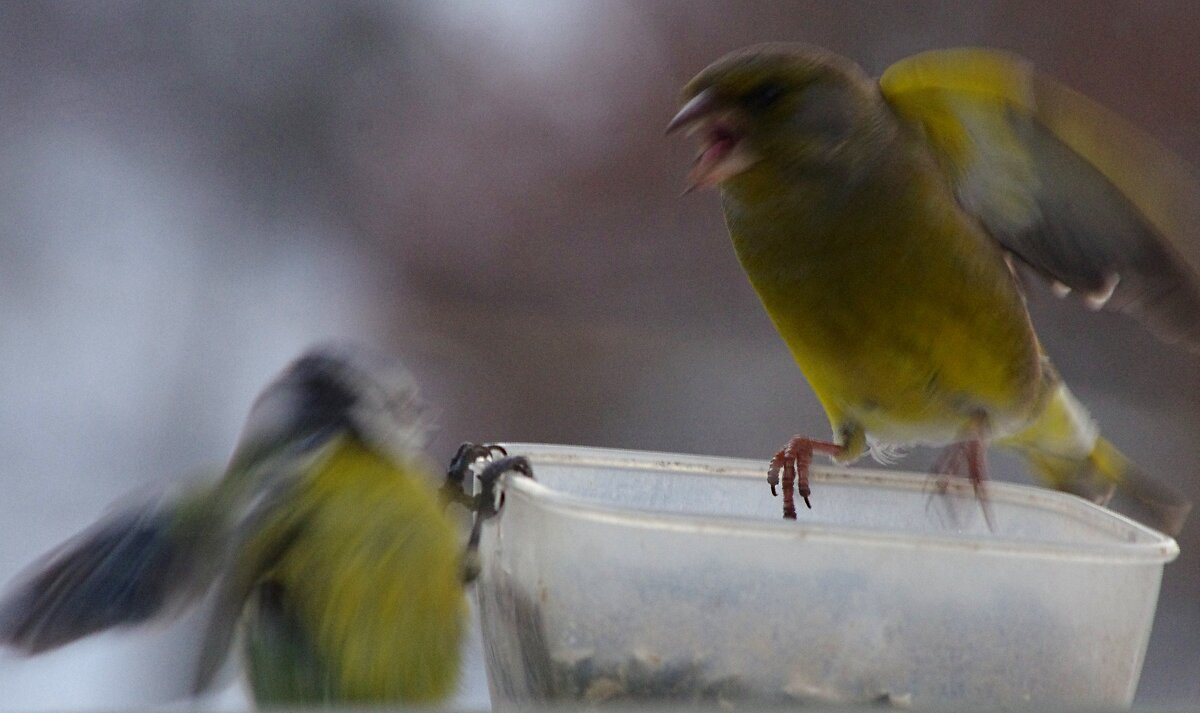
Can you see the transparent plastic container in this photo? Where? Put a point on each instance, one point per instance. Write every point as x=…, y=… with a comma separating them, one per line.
x=620, y=576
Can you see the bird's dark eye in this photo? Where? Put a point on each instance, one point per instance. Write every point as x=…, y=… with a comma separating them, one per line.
x=763, y=96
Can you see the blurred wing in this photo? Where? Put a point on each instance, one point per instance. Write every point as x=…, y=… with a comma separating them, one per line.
x=1074, y=191
x=263, y=536
x=139, y=564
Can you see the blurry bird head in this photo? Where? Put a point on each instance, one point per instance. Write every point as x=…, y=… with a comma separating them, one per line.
x=337, y=389
x=791, y=109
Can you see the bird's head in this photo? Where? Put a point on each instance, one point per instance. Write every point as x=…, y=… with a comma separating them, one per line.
x=795, y=108
x=338, y=388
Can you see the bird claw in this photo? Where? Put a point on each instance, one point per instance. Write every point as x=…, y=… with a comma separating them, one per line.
x=485, y=500
x=453, y=490
x=485, y=507
x=468, y=453
x=773, y=473
x=793, y=462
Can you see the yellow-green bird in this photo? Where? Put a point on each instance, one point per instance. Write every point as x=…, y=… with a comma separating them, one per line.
x=882, y=223
x=326, y=541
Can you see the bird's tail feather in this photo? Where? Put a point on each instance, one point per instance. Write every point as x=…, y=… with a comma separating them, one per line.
x=1063, y=448
x=1135, y=493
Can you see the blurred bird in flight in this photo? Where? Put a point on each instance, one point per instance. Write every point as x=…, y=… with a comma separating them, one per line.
x=883, y=224
x=326, y=542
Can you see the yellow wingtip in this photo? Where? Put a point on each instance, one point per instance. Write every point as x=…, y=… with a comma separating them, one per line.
x=972, y=70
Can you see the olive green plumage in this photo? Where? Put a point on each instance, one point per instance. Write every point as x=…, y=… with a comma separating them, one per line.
x=355, y=587
x=878, y=223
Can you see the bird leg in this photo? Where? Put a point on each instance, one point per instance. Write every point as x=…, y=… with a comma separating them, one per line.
x=793, y=462
x=485, y=506
x=950, y=462
x=969, y=454
x=452, y=491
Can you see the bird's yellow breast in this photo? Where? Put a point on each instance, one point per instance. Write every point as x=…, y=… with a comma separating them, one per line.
x=900, y=312
x=375, y=569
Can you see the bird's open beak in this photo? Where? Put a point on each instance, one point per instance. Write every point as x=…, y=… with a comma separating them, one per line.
x=723, y=154
x=694, y=110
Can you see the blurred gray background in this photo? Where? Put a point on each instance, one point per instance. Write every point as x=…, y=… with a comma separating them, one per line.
x=193, y=192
